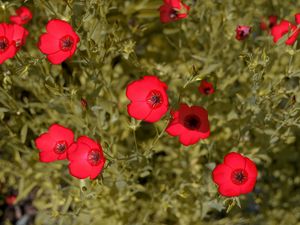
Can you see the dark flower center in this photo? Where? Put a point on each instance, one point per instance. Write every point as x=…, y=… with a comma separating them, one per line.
x=60, y=147
x=207, y=90
x=239, y=176
x=192, y=122
x=3, y=44
x=66, y=43
x=154, y=99
x=173, y=14
x=94, y=157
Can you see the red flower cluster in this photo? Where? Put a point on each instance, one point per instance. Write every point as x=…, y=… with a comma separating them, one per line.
x=85, y=156
x=149, y=102
x=173, y=10
x=13, y=36
x=59, y=43
x=236, y=176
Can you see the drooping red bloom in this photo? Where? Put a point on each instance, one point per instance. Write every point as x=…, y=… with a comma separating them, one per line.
x=53, y=144
x=271, y=23
x=190, y=124
x=206, y=88
x=60, y=41
x=23, y=16
x=86, y=158
x=7, y=44
x=149, y=100
x=242, y=32
x=173, y=10
x=285, y=27
x=236, y=176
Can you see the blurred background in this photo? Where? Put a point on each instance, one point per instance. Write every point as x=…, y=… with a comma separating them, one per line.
x=152, y=179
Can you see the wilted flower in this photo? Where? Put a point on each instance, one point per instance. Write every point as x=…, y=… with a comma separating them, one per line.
x=242, y=32
x=23, y=16
x=190, y=124
x=236, y=176
x=149, y=100
x=60, y=41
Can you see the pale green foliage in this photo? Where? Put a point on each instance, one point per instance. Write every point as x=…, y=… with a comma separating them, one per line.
x=255, y=111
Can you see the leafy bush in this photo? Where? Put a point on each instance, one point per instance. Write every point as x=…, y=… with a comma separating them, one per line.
x=149, y=177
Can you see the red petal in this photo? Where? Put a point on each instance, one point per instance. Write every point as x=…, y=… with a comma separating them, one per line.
x=45, y=143
x=139, y=110
x=58, y=57
x=248, y=186
x=235, y=160
x=156, y=114
x=16, y=20
x=89, y=142
x=173, y=3
x=9, y=53
x=97, y=169
x=222, y=174
x=229, y=189
x=80, y=169
x=297, y=18
x=165, y=13
x=48, y=156
x=189, y=137
x=48, y=44
x=59, y=28
x=175, y=129
x=250, y=167
x=58, y=133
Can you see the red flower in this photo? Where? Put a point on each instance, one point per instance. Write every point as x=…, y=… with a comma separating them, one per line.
x=236, y=176
x=86, y=158
x=190, y=124
x=283, y=28
x=149, y=100
x=23, y=16
x=206, y=88
x=270, y=25
x=242, y=32
x=7, y=44
x=60, y=41
x=173, y=10
x=53, y=144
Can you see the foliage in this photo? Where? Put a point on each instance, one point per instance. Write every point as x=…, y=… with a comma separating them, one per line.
x=150, y=178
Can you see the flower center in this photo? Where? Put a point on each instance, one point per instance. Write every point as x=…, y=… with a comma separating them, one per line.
x=207, y=90
x=94, y=157
x=173, y=14
x=192, y=122
x=154, y=99
x=66, y=43
x=239, y=176
x=3, y=44
x=60, y=147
